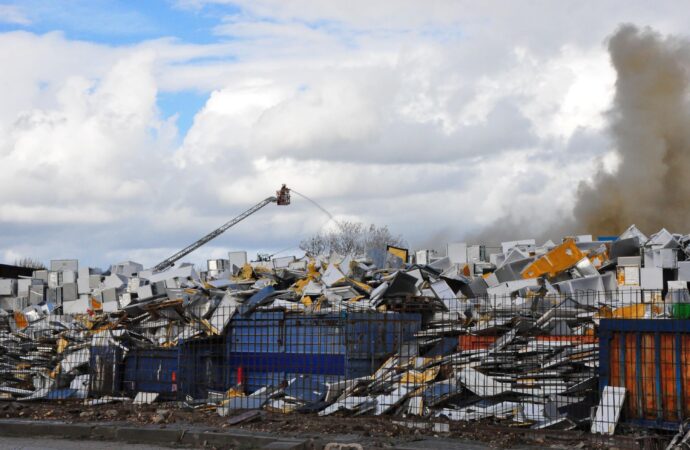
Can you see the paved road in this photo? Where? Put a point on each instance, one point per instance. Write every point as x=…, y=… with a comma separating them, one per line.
x=11, y=443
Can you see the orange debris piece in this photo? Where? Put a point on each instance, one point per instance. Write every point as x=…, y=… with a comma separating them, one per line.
x=556, y=260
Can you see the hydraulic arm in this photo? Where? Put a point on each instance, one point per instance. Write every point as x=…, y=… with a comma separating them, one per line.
x=282, y=197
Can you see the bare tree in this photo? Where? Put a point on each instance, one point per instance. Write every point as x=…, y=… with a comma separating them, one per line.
x=31, y=263
x=314, y=245
x=351, y=238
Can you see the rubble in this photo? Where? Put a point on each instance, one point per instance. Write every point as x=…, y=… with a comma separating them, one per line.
x=509, y=335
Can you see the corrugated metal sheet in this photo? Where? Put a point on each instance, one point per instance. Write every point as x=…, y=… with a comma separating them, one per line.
x=650, y=358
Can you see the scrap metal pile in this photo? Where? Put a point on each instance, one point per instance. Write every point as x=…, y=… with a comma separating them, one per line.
x=509, y=335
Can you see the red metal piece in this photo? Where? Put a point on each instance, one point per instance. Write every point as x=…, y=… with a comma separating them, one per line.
x=474, y=342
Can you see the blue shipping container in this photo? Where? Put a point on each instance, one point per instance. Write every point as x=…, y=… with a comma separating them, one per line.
x=105, y=370
x=201, y=367
x=272, y=347
x=152, y=370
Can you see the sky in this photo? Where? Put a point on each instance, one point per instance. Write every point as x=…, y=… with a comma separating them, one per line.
x=129, y=129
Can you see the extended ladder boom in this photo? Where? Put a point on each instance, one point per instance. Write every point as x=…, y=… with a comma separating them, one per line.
x=283, y=198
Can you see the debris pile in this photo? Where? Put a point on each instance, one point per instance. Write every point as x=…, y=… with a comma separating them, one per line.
x=509, y=334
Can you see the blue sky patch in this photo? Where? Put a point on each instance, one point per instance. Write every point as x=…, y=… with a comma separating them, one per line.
x=119, y=22
x=184, y=103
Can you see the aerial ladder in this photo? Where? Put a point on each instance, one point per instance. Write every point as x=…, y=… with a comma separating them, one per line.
x=282, y=198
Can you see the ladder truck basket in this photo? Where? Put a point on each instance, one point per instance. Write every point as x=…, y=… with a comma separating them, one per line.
x=283, y=196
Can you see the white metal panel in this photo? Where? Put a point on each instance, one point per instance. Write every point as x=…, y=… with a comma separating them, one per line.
x=23, y=286
x=282, y=262
x=457, y=252
x=609, y=410
x=64, y=264
x=238, y=258
x=684, y=270
x=422, y=257
x=505, y=246
x=652, y=278
x=8, y=286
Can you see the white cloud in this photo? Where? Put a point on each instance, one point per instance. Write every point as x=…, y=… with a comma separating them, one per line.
x=425, y=117
x=14, y=15
x=95, y=145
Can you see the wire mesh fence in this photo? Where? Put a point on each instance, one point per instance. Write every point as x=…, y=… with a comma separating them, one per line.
x=599, y=362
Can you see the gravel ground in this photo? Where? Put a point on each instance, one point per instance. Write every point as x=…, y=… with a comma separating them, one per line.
x=10, y=443
x=380, y=431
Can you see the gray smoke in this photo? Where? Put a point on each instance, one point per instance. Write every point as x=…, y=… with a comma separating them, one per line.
x=650, y=125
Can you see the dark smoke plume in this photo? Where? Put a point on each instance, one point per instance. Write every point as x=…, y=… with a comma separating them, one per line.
x=650, y=125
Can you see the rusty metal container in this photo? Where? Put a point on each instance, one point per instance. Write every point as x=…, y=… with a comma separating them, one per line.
x=650, y=358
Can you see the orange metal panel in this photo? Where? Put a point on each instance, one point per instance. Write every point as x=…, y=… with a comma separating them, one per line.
x=669, y=396
x=648, y=377
x=556, y=260
x=587, y=339
x=631, y=372
x=472, y=342
x=615, y=368
x=685, y=374
x=654, y=371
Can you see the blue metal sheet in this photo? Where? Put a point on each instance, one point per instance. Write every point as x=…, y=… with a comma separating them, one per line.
x=152, y=370
x=288, y=362
x=445, y=346
x=202, y=367
x=105, y=370
x=315, y=335
x=61, y=394
x=660, y=424
x=270, y=346
x=255, y=300
x=604, y=357
x=379, y=335
x=261, y=331
x=357, y=367
x=645, y=325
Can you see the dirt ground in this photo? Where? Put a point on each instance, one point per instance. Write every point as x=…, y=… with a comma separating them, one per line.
x=380, y=431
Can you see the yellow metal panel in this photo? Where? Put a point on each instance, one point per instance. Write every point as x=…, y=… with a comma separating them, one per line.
x=636, y=311
x=362, y=286
x=416, y=377
x=62, y=344
x=397, y=251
